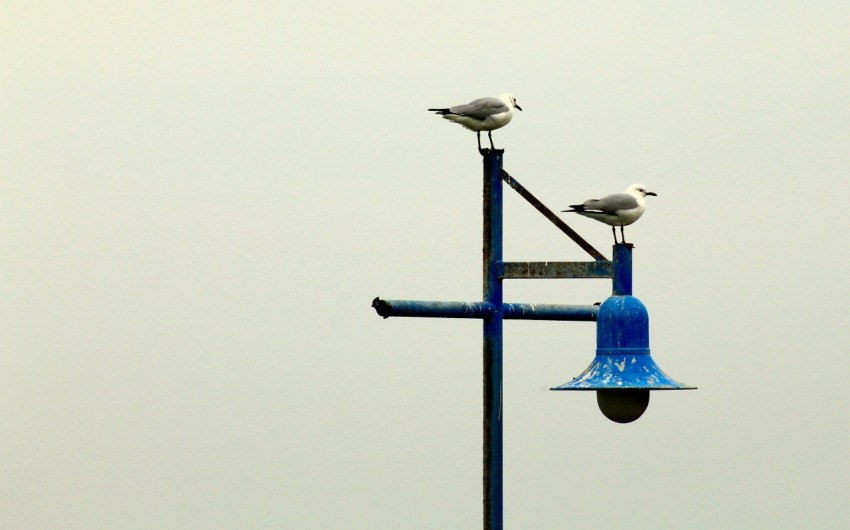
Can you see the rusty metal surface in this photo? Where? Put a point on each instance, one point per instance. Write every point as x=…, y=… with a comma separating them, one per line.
x=557, y=269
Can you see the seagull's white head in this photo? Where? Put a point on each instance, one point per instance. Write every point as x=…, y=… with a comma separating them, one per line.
x=510, y=101
x=639, y=190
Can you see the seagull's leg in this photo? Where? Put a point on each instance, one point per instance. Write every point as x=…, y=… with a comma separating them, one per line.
x=478, y=135
x=614, y=231
x=622, y=234
x=490, y=136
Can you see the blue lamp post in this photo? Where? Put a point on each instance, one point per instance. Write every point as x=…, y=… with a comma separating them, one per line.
x=622, y=373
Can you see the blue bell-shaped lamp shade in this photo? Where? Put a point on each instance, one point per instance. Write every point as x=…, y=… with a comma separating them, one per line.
x=623, y=372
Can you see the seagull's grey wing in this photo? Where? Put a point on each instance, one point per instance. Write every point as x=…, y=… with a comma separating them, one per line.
x=612, y=203
x=480, y=108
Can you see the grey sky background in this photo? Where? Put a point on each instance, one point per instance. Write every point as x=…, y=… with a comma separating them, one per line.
x=199, y=202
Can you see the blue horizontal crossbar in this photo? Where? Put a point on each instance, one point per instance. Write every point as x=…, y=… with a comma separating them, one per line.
x=418, y=308
x=551, y=312
x=421, y=308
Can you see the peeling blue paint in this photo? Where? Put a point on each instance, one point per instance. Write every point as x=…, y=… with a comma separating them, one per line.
x=622, y=351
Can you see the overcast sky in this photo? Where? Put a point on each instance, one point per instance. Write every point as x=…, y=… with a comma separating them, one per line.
x=200, y=200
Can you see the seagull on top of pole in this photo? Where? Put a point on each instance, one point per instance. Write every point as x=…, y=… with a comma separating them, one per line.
x=482, y=114
x=619, y=209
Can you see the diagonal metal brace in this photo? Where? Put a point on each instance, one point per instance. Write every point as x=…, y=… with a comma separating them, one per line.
x=549, y=214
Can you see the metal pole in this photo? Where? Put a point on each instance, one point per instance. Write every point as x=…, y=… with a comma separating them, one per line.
x=622, y=278
x=493, y=340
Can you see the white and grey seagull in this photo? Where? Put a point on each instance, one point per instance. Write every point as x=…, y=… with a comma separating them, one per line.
x=482, y=114
x=619, y=209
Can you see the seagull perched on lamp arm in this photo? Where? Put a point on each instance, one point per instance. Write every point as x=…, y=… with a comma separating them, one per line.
x=619, y=209
x=482, y=114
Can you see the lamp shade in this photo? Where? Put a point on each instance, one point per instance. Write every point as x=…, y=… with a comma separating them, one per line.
x=622, y=351
x=623, y=371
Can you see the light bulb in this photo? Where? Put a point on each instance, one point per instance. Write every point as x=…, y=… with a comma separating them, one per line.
x=623, y=405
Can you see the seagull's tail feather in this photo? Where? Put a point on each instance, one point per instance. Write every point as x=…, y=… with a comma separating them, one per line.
x=575, y=208
x=441, y=112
